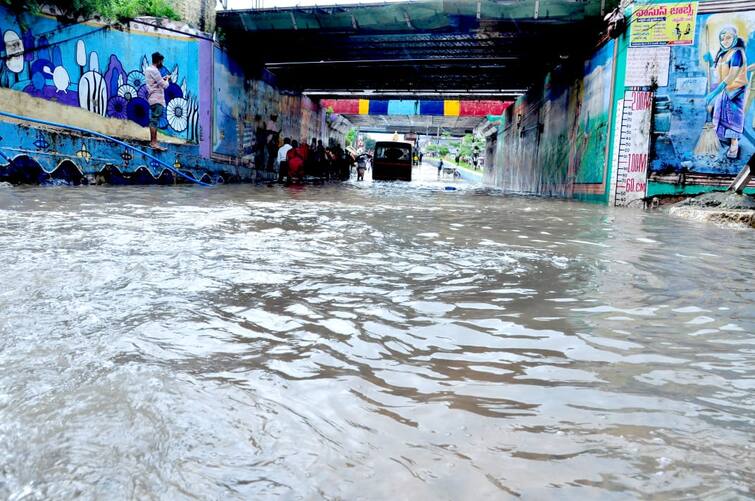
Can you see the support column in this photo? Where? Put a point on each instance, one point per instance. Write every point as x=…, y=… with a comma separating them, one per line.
x=206, y=103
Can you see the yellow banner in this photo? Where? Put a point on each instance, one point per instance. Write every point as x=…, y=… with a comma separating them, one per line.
x=663, y=24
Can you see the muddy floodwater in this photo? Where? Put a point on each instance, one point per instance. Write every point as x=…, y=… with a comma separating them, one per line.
x=369, y=341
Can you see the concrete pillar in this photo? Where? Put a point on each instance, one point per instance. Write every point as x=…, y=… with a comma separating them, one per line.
x=206, y=85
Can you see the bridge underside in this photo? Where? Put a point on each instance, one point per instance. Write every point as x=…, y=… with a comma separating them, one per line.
x=429, y=48
x=420, y=124
x=422, y=116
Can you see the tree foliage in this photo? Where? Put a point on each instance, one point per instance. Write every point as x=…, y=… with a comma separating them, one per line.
x=121, y=10
x=351, y=137
x=470, y=144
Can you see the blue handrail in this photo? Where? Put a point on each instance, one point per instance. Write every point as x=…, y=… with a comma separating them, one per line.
x=109, y=138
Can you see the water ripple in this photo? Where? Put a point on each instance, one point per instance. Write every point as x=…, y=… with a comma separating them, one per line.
x=250, y=342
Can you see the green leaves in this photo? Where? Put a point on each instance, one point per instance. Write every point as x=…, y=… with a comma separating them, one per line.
x=122, y=10
x=468, y=145
x=351, y=137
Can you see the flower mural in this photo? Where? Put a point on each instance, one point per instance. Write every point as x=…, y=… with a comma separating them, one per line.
x=96, y=70
x=178, y=117
x=136, y=79
x=117, y=107
x=138, y=111
x=127, y=92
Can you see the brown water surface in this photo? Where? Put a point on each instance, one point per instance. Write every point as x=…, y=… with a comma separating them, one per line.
x=369, y=341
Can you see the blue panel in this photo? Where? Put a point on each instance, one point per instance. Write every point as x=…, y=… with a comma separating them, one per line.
x=431, y=108
x=402, y=107
x=378, y=107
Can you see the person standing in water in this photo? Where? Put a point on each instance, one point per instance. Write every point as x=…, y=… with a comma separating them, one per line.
x=156, y=85
x=361, y=166
x=440, y=167
x=282, y=159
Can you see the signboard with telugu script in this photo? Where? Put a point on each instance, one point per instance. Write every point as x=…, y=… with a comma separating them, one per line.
x=663, y=24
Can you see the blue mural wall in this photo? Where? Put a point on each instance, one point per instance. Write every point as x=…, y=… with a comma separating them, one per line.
x=229, y=100
x=100, y=69
x=680, y=108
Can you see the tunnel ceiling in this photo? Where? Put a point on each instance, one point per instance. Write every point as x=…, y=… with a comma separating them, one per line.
x=451, y=48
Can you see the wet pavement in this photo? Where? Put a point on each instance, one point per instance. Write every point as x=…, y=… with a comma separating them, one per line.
x=369, y=341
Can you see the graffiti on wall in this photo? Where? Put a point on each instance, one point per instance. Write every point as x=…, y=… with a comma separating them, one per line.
x=311, y=123
x=272, y=115
x=591, y=121
x=709, y=87
x=99, y=69
x=229, y=102
x=290, y=115
x=555, y=143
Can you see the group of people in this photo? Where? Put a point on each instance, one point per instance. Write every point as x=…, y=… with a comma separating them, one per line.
x=295, y=160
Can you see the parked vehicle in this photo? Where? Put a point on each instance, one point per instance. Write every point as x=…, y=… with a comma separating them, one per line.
x=392, y=161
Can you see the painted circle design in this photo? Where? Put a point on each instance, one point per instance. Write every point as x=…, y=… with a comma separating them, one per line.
x=138, y=111
x=136, y=79
x=172, y=92
x=117, y=107
x=127, y=92
x=178, y=117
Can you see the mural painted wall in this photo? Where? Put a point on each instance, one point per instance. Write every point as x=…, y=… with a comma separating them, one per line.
x=229, y=105
x=100, y=69
x=710, y=82
x=555, y=141
x=592, y=109
x=93, y=68
x=291, y=115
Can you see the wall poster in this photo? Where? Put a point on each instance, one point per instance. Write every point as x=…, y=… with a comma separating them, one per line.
x=663, y=24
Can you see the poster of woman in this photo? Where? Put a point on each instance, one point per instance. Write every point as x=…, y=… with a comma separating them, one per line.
x=729, y=98
x=710, y=94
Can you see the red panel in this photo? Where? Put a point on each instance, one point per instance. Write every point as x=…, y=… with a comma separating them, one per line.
x=483, y=108
x=342, y=106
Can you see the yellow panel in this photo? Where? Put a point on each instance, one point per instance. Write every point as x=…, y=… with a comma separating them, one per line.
x=364, y=106
x=451, y=108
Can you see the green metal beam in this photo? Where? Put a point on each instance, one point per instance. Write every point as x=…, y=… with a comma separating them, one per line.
x=421, y=15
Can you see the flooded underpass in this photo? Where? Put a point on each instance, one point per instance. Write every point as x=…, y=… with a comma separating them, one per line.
x=369, y=341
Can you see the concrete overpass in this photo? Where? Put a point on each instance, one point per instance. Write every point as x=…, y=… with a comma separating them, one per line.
x=452, y=116
x=429, y=48
x=413, y=55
